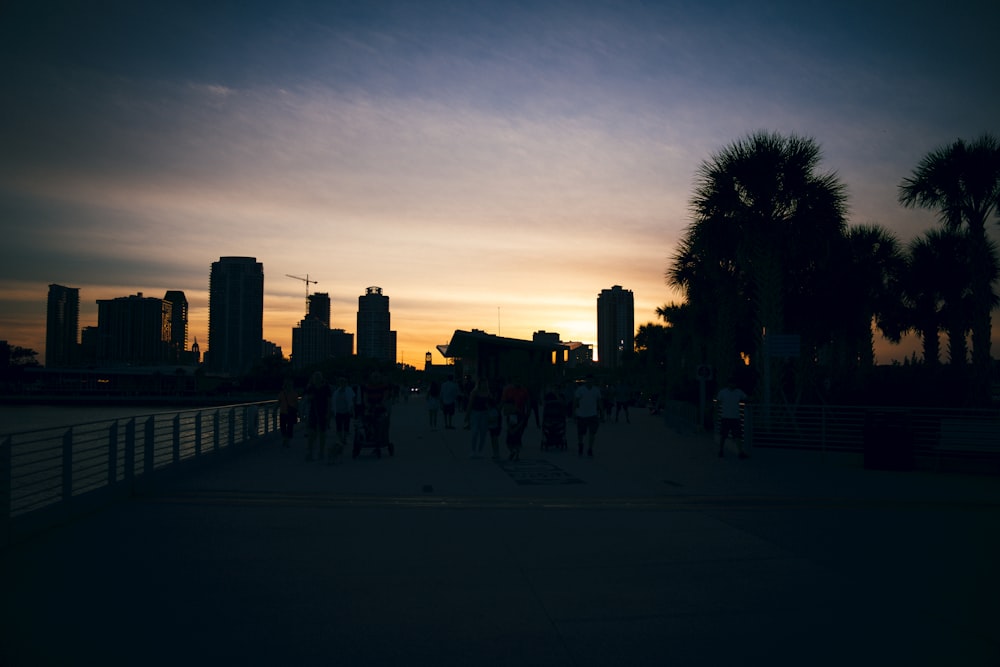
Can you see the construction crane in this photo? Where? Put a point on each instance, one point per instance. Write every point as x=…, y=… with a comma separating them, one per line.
x=306, y=281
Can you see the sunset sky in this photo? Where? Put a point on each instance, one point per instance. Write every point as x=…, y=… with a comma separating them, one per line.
x=490, y=165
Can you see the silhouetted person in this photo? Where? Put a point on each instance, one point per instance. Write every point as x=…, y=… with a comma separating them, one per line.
x=623, y=394
x=514, y=407
x=377, y=396
x=343, y=410
x=554, y=422
x=534, y=403
x=476, y=411
x=449, y=400
x=465, y=390
x=433, y=403
x=729, y=398
x=318, y=395
x=494, y=423
x=588, y=409
x=288, y=412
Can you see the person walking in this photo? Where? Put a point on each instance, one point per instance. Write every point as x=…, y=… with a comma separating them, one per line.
x=587, y=409
x=318, y=395
x=343, y=410
x=623, y=396
x=494, y=423
x=514, y=407
x=479, y=404
x=433, y=403
x=449, y=400
x=288, y=412
x=729, y=399
x=377, y=399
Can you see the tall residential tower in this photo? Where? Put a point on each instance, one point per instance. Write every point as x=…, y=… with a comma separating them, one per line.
x=62, y=326
x=235, y=315
x=375, y=340
x=615, y=325
x=178, y=324
x=133, y=330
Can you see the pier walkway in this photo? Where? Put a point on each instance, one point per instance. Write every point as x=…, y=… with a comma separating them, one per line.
x=654, y=552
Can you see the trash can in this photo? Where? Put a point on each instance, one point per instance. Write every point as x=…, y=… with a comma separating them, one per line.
x=888, y=440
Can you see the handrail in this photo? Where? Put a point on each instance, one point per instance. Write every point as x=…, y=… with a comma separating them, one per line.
x=48, y=475
x=931, y=437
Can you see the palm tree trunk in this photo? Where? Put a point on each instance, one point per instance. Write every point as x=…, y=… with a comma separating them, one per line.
x=982, y=263
x=931, y=346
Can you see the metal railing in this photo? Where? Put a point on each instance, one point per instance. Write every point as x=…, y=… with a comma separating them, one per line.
x=935, y=434
x=49, y=474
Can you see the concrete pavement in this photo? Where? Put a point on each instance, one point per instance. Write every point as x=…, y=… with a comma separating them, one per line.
x=653, y=552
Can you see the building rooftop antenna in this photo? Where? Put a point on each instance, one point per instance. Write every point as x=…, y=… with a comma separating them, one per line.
x=306, y=281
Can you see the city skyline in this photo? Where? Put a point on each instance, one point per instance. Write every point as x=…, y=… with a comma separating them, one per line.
x=489, y=165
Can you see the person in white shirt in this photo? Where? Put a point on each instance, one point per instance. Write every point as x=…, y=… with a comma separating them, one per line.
x=729, y=399
x=587, y=409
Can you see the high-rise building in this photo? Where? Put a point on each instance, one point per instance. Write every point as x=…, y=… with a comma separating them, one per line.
x=310, y=342
x=178, y=324
x=62, y=326
x=319, y=307
x=375, y=339
x=615, y=325
x=133, y=330
x=235, y=315
x=313, y=341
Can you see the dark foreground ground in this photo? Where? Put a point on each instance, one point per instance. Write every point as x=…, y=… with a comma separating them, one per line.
x=654, y=552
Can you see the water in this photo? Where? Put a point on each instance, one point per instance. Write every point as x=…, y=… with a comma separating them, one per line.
x=18, y=418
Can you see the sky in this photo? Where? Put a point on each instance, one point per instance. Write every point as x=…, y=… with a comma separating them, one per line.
x=489, y=165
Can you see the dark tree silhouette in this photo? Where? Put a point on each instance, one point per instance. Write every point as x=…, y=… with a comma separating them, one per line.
x=962, y=182
x=940, y=281
x=865, y=288
x=764, y=235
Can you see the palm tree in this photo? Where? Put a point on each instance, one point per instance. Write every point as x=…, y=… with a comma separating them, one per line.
x=923, y=292
x=764, y=231
x=962, y=182
x=867, y=290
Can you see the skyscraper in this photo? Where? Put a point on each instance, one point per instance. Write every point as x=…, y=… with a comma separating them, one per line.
x=178, y=323
x=313, y=341
x=133, y=330
x=235, y=314
x=615, y=325
x=62, y=326
x=319, y=307
x=375, y=340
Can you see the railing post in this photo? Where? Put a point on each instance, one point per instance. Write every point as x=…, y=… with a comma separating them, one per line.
x=112, y=454
x=149, y=460
x=6, y=501
x=130, y=452
x=232, y=427
x=215, y=431
x=197, y=434
x=67, y=467
x=250, y=419
x=177, y=439
x=822, y=412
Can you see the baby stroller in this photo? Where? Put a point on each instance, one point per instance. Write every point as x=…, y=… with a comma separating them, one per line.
x=372, y=432
x=553, y=423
